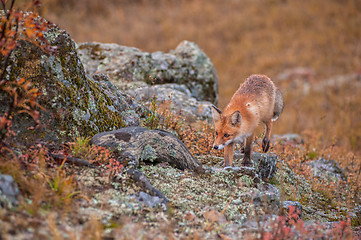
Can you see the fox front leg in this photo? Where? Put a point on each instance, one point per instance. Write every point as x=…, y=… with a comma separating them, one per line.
x=228, y=155
x=247, y=151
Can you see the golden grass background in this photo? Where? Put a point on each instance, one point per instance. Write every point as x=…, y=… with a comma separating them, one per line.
x=243, y=37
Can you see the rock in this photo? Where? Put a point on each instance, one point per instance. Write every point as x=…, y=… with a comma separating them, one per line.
x=181, y=101
x=264, y=164
x=287, y=138
x=296, y=80
x=150, y=201
x=9, y=191
x=328, y=170
x=76, y=104
x=203, y=82
x=130, y=111
x=142, y=181
x=296, y=73
x=187, y=65
x=269, y=196
x=338, y=82
x=133, y=145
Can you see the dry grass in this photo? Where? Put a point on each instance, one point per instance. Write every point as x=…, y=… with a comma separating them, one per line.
x=333, y=114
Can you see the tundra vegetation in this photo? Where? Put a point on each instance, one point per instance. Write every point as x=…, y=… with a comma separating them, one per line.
x=61, y=200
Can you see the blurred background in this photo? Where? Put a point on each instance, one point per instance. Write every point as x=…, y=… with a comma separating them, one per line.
x=311, y=49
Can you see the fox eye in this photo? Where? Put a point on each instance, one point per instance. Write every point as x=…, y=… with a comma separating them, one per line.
x=216, y=133
x=226, y=135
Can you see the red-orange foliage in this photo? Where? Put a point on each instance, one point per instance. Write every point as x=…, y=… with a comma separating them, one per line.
x=15, y=26
x=291, y=227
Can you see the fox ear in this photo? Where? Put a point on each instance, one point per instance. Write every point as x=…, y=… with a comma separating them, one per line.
x=236, y=118
x=216, y=113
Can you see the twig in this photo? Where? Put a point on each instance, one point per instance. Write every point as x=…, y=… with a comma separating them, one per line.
x=226, y=207
x=73, y=160
x=142, y=181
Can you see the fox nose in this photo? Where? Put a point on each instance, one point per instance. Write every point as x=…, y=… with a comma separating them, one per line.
x=215, y=147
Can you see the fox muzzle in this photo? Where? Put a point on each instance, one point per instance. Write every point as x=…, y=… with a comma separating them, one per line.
x=218, y=147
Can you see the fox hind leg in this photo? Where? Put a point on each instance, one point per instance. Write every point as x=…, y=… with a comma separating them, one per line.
x=267, y=135
x=265, y=144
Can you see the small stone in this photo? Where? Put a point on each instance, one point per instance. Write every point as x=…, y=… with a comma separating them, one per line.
x=146, y=199
x=9, y=191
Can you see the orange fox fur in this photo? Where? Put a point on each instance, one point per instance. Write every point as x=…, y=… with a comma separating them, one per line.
x=257, y=100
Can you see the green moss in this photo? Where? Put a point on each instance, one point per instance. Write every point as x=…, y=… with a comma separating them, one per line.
x=274, y=181
x=312, y=155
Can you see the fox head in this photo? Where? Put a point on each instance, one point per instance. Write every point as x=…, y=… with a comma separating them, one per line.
x=227, y=127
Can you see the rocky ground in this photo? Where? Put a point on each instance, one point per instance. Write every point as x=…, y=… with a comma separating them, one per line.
x=215, y=204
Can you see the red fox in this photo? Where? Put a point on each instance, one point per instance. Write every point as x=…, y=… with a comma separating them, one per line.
x=257, y=100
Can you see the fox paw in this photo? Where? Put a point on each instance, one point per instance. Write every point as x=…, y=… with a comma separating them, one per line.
x=265, y=144
x=242, y=150
x=246, y=162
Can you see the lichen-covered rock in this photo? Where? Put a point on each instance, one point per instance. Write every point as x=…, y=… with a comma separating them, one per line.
x=187, y=65
x=133, y=145
x=328, y=170
x=264, y=164
x=178, y=96
x=129, y=110
x=76, y=104
x=9, y=191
